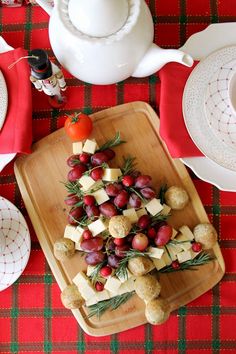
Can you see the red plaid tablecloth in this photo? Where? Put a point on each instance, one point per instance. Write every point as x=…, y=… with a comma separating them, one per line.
x=32, y=318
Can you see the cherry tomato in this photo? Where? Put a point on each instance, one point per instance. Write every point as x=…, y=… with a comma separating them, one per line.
x=78, y=126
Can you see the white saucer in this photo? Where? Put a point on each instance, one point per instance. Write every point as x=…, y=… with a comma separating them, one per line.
x=14, y=243
x=199, y=46
x=206, y=87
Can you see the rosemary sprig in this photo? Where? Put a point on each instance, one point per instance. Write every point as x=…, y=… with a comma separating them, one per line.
x=162, y=191
x=100, y=307
x=73, y=188
x=201, y=259
x=121, y=270
x=128, y=165
x=159, y=217
x=112, y=142
x=132, y=189
x=94, y=276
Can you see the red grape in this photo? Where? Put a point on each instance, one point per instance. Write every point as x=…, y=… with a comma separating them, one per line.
x=89, y=200
x=119, y=241
x=129, y=238
x=87, y=234
x=196, y=247
x=175, y=264
x=84, y=157
x=159, y=224
x=113, y=260
x=144, y=221
x=97, y=173
x=108, y=209
x=151, y=232
x=76, y=172
x=105, y=271
x=143, y=181
x=113, y=189
x=120, y=250
x=128, y=181
x=93, y=244
x=140, y=242
x=163, y=235
x=92, y=210
x=93, y=258
x=75, y=214
x=121, y=199
x=73, y=160
x=109, y=153
x=148, y=193
x=135, y=201
x=72, y=199
x=99, y=286
x=99, y=158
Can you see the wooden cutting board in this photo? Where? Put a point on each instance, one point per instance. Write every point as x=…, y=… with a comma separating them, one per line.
x=40, y=176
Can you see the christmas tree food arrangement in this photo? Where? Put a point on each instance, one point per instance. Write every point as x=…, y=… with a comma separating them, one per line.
x=119, y=222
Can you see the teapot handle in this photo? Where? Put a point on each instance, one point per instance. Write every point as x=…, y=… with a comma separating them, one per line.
x=46, y=6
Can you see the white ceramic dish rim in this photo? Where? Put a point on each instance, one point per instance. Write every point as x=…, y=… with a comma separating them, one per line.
x=200, y=45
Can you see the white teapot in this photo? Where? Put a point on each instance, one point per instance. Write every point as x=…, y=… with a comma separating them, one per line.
x=106, y=41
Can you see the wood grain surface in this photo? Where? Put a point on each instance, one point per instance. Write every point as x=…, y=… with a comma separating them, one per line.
x=40, y=177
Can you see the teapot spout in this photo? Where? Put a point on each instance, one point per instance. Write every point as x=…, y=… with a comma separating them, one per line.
x=156, y=57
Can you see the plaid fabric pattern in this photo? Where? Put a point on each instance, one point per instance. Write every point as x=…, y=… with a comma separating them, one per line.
x=32, y=318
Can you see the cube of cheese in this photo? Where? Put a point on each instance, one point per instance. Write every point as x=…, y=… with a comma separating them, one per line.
x=112, y=284
x=111, y=174
x=90, y=270
x=184, y=243
x=166, y=210
x=166, y=258
x=90, y=146
x=101, y=196
x=78, y=247
x=86, y=182
x=184, y=256
x=127, y=286
x=194, y=254
x=74, y=234
x=185, y=230
x=102, y=295
x=123, y=278
x=92, y=301
x=154, y=206
x=175, y=248
x=155, y=252
x=174, y=233
x=97, y=227
x=69, y=230
x=80, y=278
x=77, y=147
x=171, y=252
x=131, y=215
x=141, y=212
x=87, y=291
x=159, y=263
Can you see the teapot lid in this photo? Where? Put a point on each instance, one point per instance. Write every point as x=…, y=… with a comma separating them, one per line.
x=98, y=18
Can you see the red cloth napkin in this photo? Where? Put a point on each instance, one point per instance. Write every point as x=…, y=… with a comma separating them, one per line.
x=16, y=133
x=172, y=127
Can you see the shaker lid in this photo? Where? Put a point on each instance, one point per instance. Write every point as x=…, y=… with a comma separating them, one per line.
x=40, y=64
x=98, y=18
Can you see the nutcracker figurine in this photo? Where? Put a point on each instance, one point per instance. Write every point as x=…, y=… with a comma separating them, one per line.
x=47, y=77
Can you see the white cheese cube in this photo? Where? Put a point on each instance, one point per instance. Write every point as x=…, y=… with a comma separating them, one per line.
x=159, y=263
x=80, y=278
x=112, y=284
x=140, y=212
x=131, y=215
x=77, y=147
x=127, y=286
x=175, y=248
x=194, y=254
x=87, y=291
x=174, y=233
x=111, y=174
x=171, y=252
x=78, y=247
x=123, y=278
x=184, y=256
x=185, y=230
x=91, y=301
x=101, y=196
x=76, y=234
x=69, y=231
x=90, y=270
x=184, y=243
x=90, y=146
x=86, y=182
x=155, y=252
x=166, y=210
x=97, y=227
x=102, y=295
x=166, y=258
x=154, y=206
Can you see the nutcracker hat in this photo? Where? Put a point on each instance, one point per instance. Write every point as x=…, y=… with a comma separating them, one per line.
x=41, y=67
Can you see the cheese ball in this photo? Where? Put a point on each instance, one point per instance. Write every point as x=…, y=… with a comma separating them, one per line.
x=157, y=311
x=176, y=197
x=140, y=265
x=205, y=234
x=119, y=226
x=63, y=248
x=147, y=287
x=71, y=297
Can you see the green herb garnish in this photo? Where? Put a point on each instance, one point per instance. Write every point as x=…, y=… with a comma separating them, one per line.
x=112, y=142
x=121, y=270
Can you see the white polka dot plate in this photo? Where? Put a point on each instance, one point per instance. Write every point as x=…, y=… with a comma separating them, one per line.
x=14, y=243
x=208, y=115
